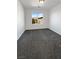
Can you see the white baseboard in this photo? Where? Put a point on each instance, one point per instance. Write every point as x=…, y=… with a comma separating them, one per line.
x=20, y=35
x=55, y=31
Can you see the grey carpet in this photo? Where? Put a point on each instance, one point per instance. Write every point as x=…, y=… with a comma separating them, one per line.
x=39, y=44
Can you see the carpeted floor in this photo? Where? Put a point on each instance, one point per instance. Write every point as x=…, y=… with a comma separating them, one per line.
x=39, y=44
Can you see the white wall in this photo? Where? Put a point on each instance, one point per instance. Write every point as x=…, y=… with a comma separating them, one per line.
x=55, y=19
x=20, y=19
x=29, y=24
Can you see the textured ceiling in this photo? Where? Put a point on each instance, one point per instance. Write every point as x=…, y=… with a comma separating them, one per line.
x=35, y=3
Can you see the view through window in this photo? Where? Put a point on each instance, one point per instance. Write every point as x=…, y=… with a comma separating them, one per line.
x=37, y=18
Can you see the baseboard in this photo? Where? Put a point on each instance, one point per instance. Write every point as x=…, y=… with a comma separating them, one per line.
x=37, y=29
x=54, y=31
x=21, y=34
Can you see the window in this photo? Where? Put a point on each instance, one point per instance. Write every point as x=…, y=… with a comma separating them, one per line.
x=37, y=18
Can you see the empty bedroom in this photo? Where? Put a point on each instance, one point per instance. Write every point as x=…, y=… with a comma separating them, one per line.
x=38, y=29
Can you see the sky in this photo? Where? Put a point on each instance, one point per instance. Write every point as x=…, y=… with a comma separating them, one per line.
x=37, y=14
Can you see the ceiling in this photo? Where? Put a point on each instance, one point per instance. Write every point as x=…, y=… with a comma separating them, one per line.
x=35, y=3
